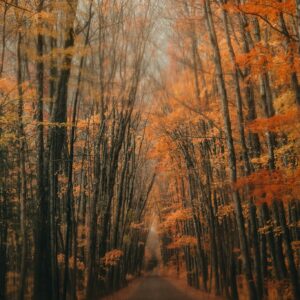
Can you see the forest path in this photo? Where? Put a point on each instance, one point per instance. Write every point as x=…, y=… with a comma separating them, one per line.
x=158, y=288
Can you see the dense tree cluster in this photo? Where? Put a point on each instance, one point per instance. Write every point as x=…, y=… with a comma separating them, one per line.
x=228, y=119
x=74, y=175
x=112, y=111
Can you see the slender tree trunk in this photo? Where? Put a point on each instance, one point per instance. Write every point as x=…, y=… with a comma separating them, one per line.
x=23, y=191
x=70, y=204
x=57, y=138
x=42, y=277
x=91, y=239
x=3, y=38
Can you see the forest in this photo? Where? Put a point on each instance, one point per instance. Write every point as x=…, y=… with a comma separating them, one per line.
x=123, y=117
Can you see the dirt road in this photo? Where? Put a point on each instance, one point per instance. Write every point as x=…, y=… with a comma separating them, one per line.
x=158, y=288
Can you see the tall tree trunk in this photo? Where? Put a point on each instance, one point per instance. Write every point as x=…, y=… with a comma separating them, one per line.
x=4, y=225
x=23, y=192
x=57, y=138
x=42, y=276
x=70, y=204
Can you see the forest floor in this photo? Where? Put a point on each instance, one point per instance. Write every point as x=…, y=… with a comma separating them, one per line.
x=159, y=288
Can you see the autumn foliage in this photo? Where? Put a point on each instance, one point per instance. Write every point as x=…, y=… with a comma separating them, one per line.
x=118, y=114
x=226, y=122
